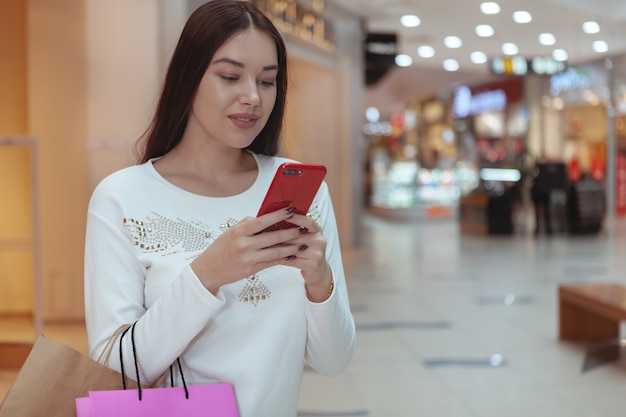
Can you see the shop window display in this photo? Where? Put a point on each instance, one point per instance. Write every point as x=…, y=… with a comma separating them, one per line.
x=412, y=164
x=491, y=122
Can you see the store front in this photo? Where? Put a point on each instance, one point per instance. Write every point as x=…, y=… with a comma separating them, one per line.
x=617, y=82
x=412, y=163
x=579, y=98
x=491, y=122
x=424, y=160
x=578, y=105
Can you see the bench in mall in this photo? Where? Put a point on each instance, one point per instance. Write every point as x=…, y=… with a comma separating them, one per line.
x=591, y=311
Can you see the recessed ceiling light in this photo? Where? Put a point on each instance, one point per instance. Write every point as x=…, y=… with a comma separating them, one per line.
x=453, y=42
x=522, y=16
x=451, y=65
x=426, y=51
x=560, y=55
x=509, y=48
x=600, y=47
x=484, y=31
x=403, y=60
x=410, y=21
x=591, y=27
x=478, y=57
x=547, y=39
x=490, y=7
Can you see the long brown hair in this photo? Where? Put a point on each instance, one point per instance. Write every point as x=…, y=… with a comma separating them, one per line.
x=206, y=30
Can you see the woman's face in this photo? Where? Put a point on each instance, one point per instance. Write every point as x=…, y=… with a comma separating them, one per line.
x=237, y=92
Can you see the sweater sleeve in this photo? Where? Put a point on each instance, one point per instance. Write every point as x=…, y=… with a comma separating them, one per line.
x=331, y=334
x=114, y=296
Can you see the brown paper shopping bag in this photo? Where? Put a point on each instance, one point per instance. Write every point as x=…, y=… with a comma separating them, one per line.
x=51, y=379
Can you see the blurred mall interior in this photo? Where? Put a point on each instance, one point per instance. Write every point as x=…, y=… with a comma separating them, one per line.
x=460, y=211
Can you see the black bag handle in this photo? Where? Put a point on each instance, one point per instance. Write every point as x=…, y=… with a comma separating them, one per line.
x=139, y=391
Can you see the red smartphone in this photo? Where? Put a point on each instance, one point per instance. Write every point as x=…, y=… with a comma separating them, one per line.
x=294, y=185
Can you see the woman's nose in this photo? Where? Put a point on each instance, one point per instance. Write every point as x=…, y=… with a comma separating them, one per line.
x=250, y=94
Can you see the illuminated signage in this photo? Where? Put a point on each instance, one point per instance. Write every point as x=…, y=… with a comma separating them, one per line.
x=509, y=66
x=569, y=80
x=500, y=174
x=465, y=104
x=306, y=21
x=547, y=66
x=382, y=48
x=517, y=65
x=380, y=54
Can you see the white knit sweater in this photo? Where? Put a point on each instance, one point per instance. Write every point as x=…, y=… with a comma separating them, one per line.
x=142, y=234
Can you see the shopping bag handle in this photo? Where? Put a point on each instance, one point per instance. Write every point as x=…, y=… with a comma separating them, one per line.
x=139, y=390
x=108, y=348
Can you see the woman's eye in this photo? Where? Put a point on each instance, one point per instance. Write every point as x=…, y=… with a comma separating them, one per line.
x=229, y=78
x=267, y=83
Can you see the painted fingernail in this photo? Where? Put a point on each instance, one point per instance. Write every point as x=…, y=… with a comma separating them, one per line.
x=290, y=257
x=303, y=230
x=290, y=210
x=302, y=247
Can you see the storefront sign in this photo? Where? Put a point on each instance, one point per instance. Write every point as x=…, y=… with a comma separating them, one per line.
x=307, y=22
x=509, y=66
x=547, y=66
x=380, y=54
x=517, y=65
x=467, y=104
x=571, y=79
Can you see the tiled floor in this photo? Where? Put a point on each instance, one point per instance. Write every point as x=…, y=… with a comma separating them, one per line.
x=457, y=325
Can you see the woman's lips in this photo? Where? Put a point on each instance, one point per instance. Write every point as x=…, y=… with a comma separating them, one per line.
x=243, y=121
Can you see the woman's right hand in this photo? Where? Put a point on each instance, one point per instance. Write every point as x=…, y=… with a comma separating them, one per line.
x=243, y=250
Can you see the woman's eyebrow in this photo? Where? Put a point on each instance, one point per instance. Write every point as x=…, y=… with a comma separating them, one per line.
x=242, y=65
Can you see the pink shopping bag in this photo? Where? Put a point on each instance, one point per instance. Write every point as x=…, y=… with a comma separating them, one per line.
x=83, y=407
x=212, y=400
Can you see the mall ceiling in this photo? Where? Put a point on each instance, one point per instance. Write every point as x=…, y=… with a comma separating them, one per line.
x=442, y=18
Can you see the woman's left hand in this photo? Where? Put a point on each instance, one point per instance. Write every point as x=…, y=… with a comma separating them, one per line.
x=309, y=255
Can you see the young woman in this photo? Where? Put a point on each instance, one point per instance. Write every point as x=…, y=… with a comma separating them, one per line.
x=172, y=243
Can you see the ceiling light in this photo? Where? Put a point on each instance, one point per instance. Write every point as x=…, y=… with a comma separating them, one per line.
x=591, y=27
x=403, y=60
x=559, y=55
x=490, y=7
x=547, y=39
x=600, y=47
x=522, y=16
x=410, y=21
x=426, y=51
x=451, y=65
x=478, y=57
x=484, y=31
x=509, y=48
x=453, y=42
